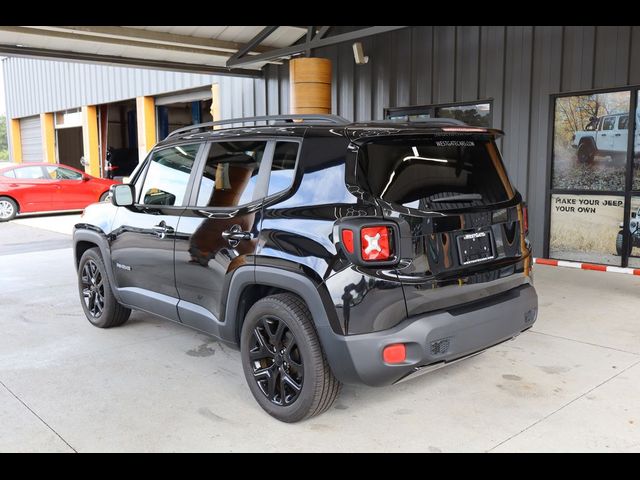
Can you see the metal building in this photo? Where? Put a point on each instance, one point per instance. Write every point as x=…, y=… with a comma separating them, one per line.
x=566, y=98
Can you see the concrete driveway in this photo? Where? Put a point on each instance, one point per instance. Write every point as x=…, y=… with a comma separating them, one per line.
x=572, y=383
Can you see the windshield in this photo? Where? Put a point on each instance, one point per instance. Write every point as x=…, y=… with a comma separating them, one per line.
x=434, y=173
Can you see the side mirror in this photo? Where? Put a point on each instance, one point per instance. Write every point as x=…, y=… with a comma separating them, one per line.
x=85, y=177
x=633, y=214
x=122, y=195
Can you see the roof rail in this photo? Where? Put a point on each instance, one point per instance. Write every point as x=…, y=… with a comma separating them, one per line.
x=335, y=119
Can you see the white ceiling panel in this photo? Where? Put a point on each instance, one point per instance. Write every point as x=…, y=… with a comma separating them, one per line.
x=112, y=42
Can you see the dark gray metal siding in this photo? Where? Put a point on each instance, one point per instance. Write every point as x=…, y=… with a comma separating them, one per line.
x=518, y=67
x=31, y=139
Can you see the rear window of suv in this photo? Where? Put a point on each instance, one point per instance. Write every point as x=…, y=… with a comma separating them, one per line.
x=434, y=173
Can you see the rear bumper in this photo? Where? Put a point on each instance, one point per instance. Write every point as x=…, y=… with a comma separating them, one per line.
x=433, y=340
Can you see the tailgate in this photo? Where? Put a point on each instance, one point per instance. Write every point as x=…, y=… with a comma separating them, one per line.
x=461, y=232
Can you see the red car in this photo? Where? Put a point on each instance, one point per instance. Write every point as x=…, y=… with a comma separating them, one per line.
x=44, y=187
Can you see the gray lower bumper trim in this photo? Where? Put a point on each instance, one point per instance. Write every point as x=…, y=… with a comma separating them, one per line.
x=434, y=340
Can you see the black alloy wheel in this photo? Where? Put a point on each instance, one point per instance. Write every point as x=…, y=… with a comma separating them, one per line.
x=276, y=361
x=93, y=289
x=283, y=361
x=100, y=306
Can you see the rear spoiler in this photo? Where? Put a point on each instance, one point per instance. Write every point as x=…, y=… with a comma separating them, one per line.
x=361, y=135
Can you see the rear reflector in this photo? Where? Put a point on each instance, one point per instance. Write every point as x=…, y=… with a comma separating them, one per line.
x=374, y=243
x=347, y=240
x=396, y=353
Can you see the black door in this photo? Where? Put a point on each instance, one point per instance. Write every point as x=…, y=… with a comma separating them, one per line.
x=219, y=233
x=143, y=236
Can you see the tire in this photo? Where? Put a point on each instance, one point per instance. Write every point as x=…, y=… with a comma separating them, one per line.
x=103, y=197
x=8, y=209
x=96, y=297
x=284, y=320
x=585, y=152
x=619, y=244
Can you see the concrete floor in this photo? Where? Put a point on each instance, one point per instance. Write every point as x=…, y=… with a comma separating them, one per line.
x=572, y=383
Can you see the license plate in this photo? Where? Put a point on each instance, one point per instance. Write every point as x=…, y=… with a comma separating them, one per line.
x=475, y=247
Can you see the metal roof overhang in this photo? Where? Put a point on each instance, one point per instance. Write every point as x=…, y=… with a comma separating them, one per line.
x=196, y=49
x=221, y=50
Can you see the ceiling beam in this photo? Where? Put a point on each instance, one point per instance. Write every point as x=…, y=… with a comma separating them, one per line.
x=152, y=36
x=313, y=44
x=311, y=30
x=28, y=52
x=253, y=43
x=322, y=31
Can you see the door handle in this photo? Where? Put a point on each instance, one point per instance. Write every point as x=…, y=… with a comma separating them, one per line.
x=603, y=134
x=235, y=234
x=162, y=229
x=618, y=134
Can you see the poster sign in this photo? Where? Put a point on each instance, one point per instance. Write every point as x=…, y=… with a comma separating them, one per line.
x=585, y=228
x=634, y=233
x=590, y=142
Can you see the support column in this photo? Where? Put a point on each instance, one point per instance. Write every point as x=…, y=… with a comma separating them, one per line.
x=90, y=142
x=15, y=155
x=310, y=81
x=215, y=104
x=146, y=113
x=48, y=137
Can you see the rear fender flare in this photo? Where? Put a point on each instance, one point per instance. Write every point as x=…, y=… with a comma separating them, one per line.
x=335, y=349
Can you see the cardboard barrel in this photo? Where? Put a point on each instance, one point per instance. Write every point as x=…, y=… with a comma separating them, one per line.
x=310, y=83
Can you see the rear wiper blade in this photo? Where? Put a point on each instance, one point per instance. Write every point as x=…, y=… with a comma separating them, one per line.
x=465, y=197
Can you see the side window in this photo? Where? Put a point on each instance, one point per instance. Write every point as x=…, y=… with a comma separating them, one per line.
x=9, y=174
x=283, y=166
x=230, y=174
x=608, y=123
x=623, y=122
x=29, y=173
x=59, y=173
x=167, y=175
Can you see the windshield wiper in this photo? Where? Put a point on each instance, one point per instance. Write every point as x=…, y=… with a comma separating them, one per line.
x=464, y=197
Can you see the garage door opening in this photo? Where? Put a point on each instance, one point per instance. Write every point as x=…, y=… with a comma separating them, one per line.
x=182, y=110
x=70, y=147
x=69, y=143
x=120, y=151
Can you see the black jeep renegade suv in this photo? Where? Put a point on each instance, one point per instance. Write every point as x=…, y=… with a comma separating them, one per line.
x=329, y=252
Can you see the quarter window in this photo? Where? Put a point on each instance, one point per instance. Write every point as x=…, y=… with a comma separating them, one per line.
x=230, y=174
x=167, y=176
x=9, y=174
x=283, y=166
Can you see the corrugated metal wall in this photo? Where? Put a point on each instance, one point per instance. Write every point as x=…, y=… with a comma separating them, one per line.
x=34, y=86
x=31, y=139
x=517, y=67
